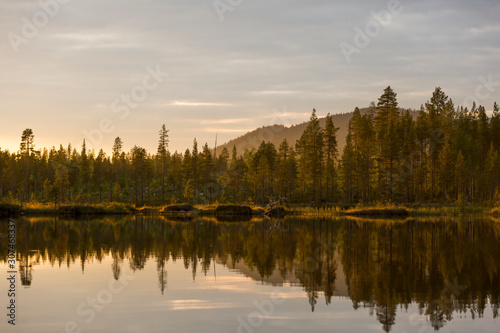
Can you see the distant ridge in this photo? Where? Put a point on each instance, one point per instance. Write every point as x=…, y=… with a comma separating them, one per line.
x=277, y=133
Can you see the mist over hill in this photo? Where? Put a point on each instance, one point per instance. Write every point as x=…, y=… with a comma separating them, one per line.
x=277, y=133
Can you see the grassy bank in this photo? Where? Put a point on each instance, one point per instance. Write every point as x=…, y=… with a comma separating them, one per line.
x=386, y=211
x=392, y=210
x=448, y=210
x=36, y=208
x=379, y=212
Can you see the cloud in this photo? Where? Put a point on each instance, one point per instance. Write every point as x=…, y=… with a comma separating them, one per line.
x=188, y=103
x=225, y=121
x=277, y=92
x=228, y=130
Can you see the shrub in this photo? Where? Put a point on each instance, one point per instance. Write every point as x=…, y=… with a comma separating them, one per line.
x=234, y=209
x=177, y=208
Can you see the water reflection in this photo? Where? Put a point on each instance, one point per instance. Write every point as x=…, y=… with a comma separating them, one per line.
x=446, y=267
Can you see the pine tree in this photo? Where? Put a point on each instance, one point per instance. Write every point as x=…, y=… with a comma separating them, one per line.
x=387, y=106
x=262, y=168
x=116, y=167
x=310, y=149
x=492, y=172
x=61, y=180
x=235, y=174
x=364, y=147
x=99, y=172
x=495, y=127
x=195, y=171
x=388, y=141
x=51, y=191
x=446, y=169
x=459, y=174
x=331, y=153
x=207, y=173
x=234, y=153
x=139, y=171
x=162, y=155
x=175, y=175
x=189, y=191
x=117, y=148
x=436, y=108
x=483, y=143
x=222, y=162
x=348, y=167
x=85, y=171
x=422, y=133
x=287, y=171
x=291, y=172
x=283, y=156
x=26, y=149
x=409, y=156
x=484, y=132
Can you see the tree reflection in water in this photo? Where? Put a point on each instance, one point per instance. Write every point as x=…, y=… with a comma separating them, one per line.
x=444, y=266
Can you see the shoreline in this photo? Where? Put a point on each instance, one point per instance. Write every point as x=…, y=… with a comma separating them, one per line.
x=232, y=210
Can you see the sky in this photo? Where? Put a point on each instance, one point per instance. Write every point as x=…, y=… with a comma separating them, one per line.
x=94, y=70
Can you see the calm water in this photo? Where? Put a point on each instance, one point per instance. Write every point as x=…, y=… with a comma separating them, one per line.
x=150, y=274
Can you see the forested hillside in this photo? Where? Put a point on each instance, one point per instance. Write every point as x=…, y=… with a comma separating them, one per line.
x=442, y=153
x=277, y=133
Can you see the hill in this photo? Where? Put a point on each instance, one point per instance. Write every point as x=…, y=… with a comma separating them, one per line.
x=277, y=133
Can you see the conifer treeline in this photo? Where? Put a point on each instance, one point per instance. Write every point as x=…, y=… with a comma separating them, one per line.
x=446, y=154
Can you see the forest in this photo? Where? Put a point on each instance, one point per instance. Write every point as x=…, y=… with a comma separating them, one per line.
x=444, y=155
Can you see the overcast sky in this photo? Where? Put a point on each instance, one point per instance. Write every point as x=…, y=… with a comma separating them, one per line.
x=248, y=64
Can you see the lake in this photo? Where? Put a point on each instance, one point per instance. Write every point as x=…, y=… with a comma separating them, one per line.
x=155, y=274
